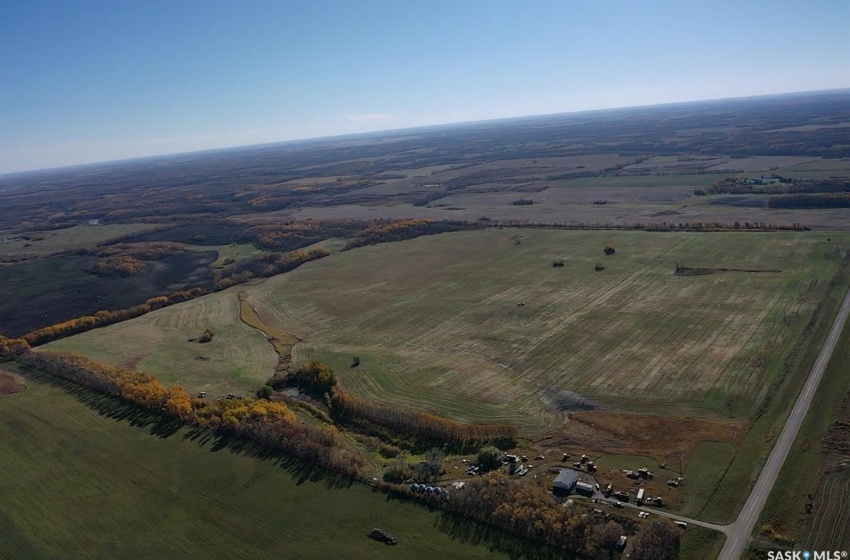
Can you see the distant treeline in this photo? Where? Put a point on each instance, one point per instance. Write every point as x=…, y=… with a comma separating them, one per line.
x=299, y=234
x=642, y=226
x=385, y=231
x=810, y=201
x=126, y=259
x=265, y=265
x=119, y=265
x=734, y=185
x=269, y=424
x=104, y=318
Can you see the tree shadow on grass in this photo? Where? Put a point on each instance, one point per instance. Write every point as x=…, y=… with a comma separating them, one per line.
x=472, y=532
x=301, y=470
x=161, y=425
x=469, y=531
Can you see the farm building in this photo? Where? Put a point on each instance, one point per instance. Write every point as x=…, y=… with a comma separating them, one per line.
x=584, y=488
x=565, y=482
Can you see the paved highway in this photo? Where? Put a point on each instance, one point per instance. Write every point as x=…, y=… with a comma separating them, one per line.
x=739, y=532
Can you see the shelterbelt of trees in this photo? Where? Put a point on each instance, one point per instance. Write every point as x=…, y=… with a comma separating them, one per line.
x=413, y=428
x=265, y=265
x=527, y=511
x=104, y=318
x=269, y=424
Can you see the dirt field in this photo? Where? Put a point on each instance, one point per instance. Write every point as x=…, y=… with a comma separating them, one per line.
x=664, y=438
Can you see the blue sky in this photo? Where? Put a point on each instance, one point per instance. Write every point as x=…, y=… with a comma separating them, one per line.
x=84, y=81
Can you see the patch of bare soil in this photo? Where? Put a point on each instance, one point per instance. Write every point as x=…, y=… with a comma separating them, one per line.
x=566, y=401
x=663, y=437
x=11, y=383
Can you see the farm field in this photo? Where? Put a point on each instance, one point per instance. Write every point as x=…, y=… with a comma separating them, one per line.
x=437, y=325
x=817, y=471
x=78, y=484
x=237, y=360
x=47, y=242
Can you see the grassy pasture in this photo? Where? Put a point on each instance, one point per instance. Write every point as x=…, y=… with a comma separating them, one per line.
x=47, y=242
x=436, y=324
x=78, y=484
x=238, y=359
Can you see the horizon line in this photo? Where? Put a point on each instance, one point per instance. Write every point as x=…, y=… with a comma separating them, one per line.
x=6, y=175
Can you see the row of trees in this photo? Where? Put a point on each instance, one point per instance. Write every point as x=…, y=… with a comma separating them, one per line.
x=10, y=348
x=104, y=318
x=269, y=424
x=420, y=429
x=736, y=185
x=265, y=265
x=642, y=226
x=148, y=251
x=399, y=230
x=297, y=234
x=529, y=511
x=835, y=200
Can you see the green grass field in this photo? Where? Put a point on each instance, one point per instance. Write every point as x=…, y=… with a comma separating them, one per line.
x=77, y=484
x=436, y=324
x=238, y=359
x=46, y=242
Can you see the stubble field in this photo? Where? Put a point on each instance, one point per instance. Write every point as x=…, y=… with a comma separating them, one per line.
x=436, y=320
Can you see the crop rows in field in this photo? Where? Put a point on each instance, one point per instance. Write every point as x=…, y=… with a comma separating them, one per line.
x=830, y=528
x=437, y=324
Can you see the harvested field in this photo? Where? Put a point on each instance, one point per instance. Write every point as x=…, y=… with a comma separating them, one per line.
x=436, y=324
x=238, y=358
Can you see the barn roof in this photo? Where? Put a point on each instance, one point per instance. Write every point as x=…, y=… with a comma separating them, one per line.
x=567, y=478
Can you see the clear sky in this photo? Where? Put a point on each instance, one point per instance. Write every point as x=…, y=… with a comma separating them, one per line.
x=84, y=81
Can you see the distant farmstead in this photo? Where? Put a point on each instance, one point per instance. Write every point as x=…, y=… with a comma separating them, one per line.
x=565, y=482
